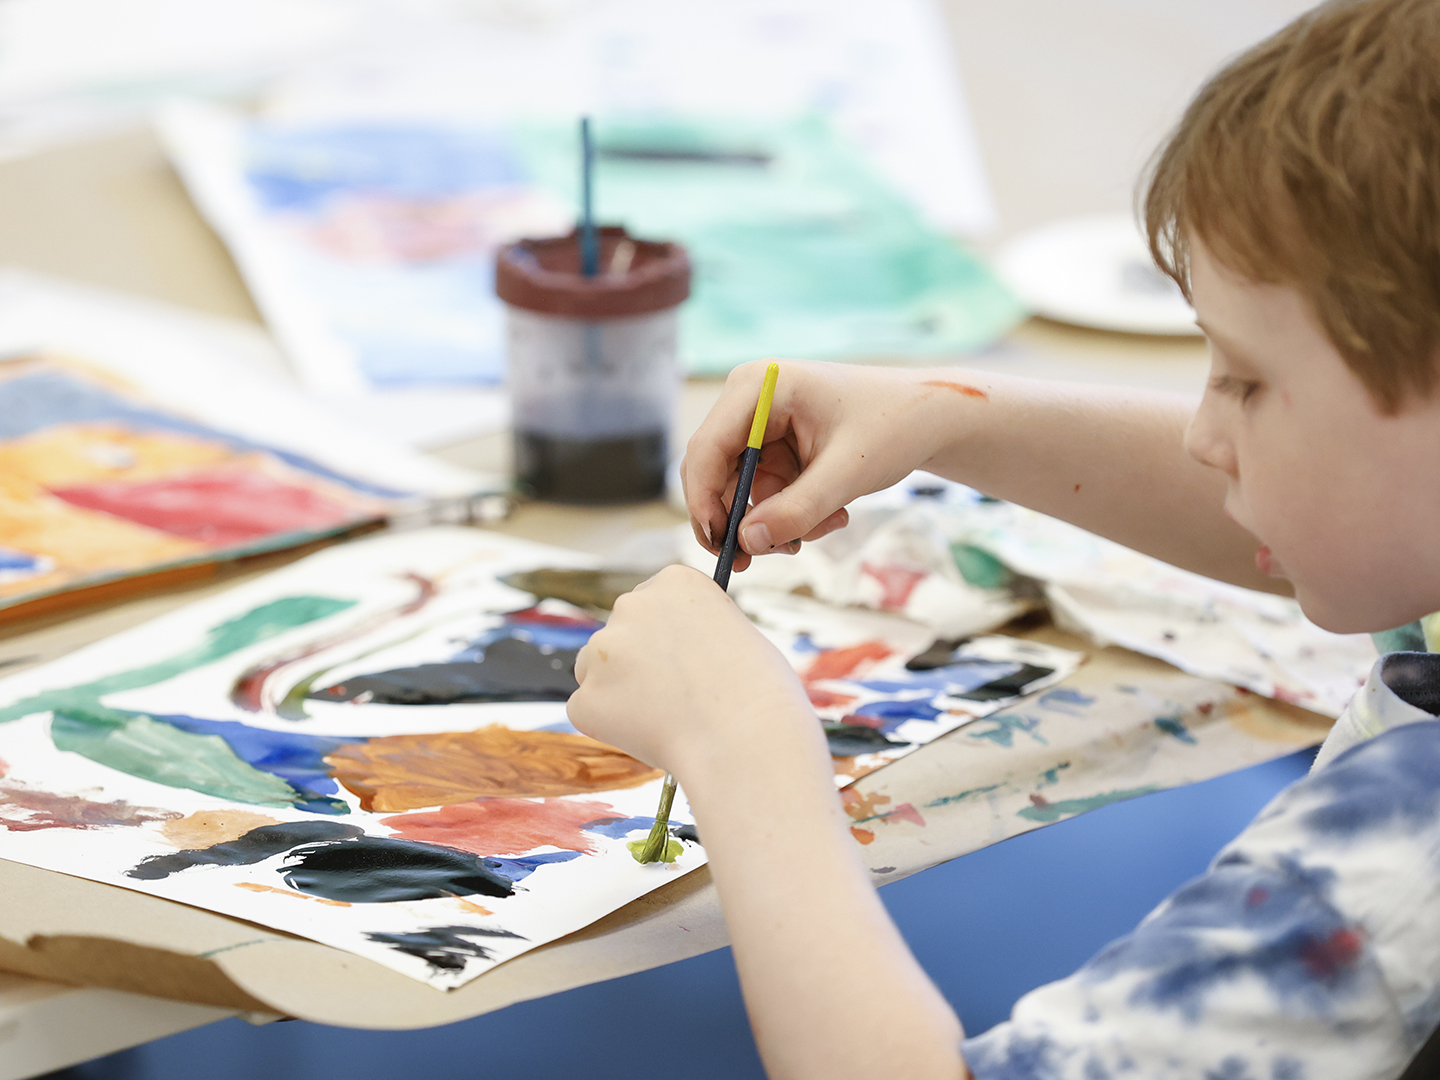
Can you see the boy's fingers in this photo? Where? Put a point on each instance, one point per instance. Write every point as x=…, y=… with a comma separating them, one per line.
x=796, y=511
x=838, y=520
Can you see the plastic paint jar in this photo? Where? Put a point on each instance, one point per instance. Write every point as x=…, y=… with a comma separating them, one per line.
x=592, y=364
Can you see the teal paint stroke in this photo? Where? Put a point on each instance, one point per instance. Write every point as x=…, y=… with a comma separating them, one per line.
x=139, y=745
x=1005, y=727
x=960, y=796
x=1174, y=725
x=258, y=624
x=1045, y=812
x=1051, y=777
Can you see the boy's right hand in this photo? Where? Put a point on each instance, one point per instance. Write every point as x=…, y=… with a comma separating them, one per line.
x=836, y=432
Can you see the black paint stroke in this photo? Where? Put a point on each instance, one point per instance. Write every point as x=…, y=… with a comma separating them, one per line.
x=849, y=740
x=444, y=948
x=255, y=846
x=382, y=870
x=512, y=669
x=1008, y=686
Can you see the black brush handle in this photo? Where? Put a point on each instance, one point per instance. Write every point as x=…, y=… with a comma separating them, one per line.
x=748, y=461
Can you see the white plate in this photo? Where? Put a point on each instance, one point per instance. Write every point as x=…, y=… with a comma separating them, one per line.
x=1097, y=272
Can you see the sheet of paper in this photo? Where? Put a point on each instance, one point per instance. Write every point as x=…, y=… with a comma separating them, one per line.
x=369, y=748
x=135, y=436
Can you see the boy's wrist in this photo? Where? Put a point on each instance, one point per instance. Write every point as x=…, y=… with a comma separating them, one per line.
x=778, y=743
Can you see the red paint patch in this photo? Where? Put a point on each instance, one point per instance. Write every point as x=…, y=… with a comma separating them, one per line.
x=1324, y=959
x=535, y=617
x=24, y=810
x=959, y=388
x=824, y=699
x=1257, y=896
x=856, y=720
x=906, y=812
x=842, y=663
x=1205, y=708
x=506, y=826
x=896, y=583
x=218, y=507
x=1039, y=800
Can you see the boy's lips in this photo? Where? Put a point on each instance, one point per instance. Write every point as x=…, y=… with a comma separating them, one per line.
x=1266, y=562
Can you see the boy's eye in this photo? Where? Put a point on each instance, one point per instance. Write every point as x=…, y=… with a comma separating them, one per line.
x=1243, y=389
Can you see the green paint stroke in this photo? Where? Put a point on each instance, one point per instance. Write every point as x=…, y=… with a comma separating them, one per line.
x=150, y=749
x=259, y=624
x=1046, y=812
x=960, y=796
x=1051, y=777
x=1173, y=725
x=1006, y=725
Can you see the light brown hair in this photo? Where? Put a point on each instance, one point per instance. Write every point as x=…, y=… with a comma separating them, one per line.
x=1313, y=160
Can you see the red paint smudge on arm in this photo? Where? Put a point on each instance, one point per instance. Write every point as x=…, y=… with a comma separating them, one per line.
x=959, y=388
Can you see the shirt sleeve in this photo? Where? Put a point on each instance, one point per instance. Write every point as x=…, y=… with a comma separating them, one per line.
x=1309, y=949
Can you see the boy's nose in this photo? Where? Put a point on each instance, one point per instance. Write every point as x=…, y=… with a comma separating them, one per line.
x=1206, y=442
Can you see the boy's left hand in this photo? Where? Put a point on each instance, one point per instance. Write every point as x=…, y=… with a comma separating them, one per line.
x=679, y=676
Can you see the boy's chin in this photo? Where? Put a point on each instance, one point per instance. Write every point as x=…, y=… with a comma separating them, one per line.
x=1341, y=615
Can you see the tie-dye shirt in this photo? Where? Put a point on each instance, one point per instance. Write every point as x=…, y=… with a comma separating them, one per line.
x=1311, y=947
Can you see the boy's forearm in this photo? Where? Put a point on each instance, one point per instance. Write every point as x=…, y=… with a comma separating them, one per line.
x=811, y=938
x=1107, y=459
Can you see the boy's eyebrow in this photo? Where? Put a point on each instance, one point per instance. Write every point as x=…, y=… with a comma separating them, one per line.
x=1232, y=351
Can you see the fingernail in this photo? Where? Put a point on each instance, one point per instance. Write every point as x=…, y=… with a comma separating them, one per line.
x=705, y=528
x=756, y=538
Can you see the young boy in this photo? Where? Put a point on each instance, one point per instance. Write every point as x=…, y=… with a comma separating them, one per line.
x=1298, y=204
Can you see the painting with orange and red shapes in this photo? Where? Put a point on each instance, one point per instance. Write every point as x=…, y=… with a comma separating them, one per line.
x=97, y=482
x=370, y=748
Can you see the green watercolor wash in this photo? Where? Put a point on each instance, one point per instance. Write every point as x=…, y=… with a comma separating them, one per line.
x=1050, y=777
x=1006, y=725
x=1173, y=725
x=150, y=749
x=979, y=568
x=259, y=624
x=1054, y=811
x=961, y=796
x=673, y=849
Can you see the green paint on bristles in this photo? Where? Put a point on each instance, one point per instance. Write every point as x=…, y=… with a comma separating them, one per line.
x=659, y=846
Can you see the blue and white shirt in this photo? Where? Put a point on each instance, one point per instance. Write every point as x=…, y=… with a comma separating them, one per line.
x=1311, y=947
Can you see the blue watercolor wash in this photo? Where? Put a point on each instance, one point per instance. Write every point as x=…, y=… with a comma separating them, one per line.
x=806, y=644
x=519, y=869
x=299, y=168
x=545, y=636
x=619, y=828
x=46, y=399
x=1004, y=727
x=1065, y=700
x=953, y=679
x=297, y=759
x=894, y=713
x=17, y=562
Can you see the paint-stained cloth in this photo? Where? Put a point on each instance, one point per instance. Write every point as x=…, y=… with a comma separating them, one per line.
x=1311, y=947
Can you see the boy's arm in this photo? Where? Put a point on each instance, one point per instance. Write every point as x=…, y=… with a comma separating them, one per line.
x=679, y=678
x=1108, y=459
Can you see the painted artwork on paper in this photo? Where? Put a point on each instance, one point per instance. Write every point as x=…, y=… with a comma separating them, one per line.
x=369, y=748
x=96, y=482
x=135, y=437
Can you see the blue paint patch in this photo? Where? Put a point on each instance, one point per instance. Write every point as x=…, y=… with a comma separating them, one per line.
x=953, y=679
x=300, y=168
x=892, y=714
x=1064, y=700
x=297, y=759
x=1004, y=727
x=519, y=869
x=619, y=828
x=547, y=637
x=13, y=561
x=31, y=403
x=806, y=644
x=1051, y=777
x=1174, y=725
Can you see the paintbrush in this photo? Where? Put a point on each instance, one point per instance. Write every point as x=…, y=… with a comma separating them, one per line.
x=658, y=846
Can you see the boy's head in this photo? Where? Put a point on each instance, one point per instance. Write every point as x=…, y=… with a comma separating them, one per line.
x=1298, y=205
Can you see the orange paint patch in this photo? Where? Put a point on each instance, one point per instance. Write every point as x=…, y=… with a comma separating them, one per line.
x=205, y=828
x=505, y=826
x=410, y=772
x=252, y=886
x=865, y=836
x=825, y=699
x=862, y=807
x=842, y=663
x=469, y=908
x=959, y=388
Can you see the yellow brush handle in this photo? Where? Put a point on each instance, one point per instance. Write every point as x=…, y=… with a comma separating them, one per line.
x=762, y=407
